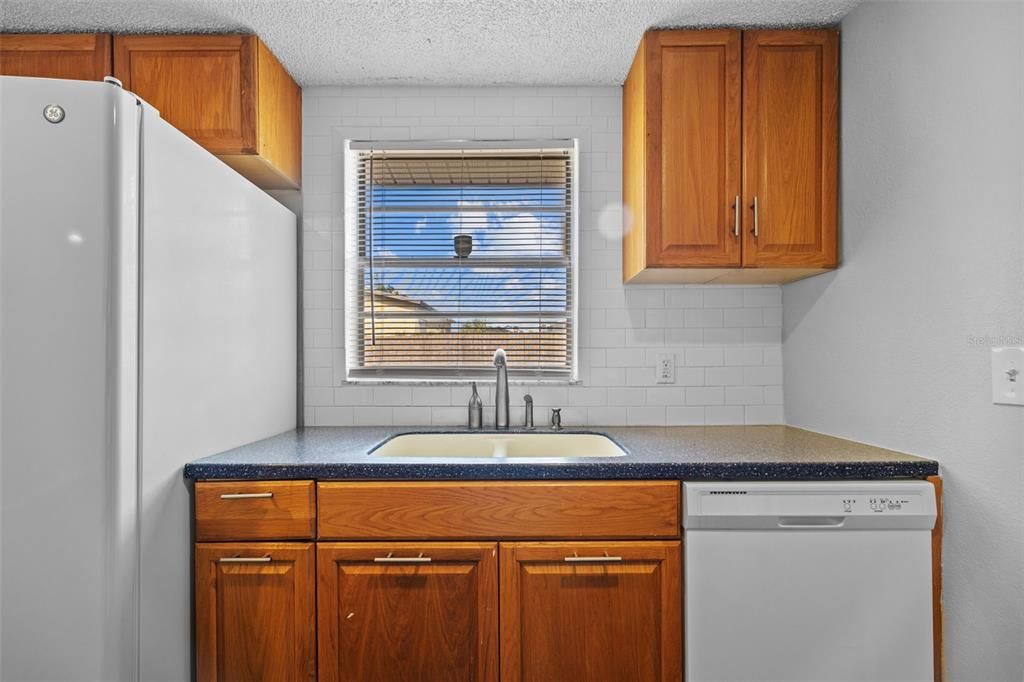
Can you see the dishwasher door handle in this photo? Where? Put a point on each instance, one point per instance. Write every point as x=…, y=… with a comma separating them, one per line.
x=811, y=521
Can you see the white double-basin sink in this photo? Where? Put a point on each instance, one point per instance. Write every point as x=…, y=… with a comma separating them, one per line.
x=498, y=446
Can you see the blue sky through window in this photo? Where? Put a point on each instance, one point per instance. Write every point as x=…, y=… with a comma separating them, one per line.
x=519, y=262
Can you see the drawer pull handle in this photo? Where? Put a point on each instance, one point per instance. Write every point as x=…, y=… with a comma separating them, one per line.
x=245, y=559
x=245, y=496
x=576, y=558
x=402, y=559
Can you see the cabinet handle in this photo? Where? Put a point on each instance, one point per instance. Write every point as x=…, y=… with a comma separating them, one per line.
x=577, y=559
x=736, y=217
x=402, y=559
x=245, y=496
x=756, y=225
x=245, y=559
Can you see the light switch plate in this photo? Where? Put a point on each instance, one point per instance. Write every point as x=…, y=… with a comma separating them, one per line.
x=1008, y=375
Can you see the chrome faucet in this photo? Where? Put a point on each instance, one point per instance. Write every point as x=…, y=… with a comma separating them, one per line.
x=501, y=391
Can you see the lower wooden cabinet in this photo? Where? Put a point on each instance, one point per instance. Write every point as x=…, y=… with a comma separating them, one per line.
x=591, y=611
x=255, y=612
x=581, y=602
x=407, y=612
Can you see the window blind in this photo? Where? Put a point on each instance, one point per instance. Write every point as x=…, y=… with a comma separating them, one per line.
x=455, y=250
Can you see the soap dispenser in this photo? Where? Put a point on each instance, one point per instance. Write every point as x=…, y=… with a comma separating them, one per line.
x=476, y=411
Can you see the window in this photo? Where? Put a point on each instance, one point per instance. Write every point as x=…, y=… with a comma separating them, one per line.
x=456, y=249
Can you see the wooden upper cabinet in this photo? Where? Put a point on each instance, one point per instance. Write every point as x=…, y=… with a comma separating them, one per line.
x=692, y=159
x=255, y=612
x=77, y=56
x=712, y=119
x=226, y=92
x=403, y=612
x=591, y=611
x=790, y=147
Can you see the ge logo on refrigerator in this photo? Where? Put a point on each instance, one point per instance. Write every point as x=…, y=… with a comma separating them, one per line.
x=53, y=113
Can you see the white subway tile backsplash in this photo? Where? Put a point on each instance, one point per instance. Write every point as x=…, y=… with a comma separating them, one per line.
x=762, y=376
x=762, y=297
x=412, y=416
x=685, y=416
x=705, y=395
x=373, y=416
x=392, y=395
x=606, y=415
x=666, y=395
x=704, y=318
x=726, y=340
x=764, y=414
x=745, y=317
x=721, y=415
x=723, y=298
x=645, y=416
x=432, y=395
x=723, y=376
x=727, y=336
x=332, y=416
x=744, y=356
x=704, y=357
x=744, y=395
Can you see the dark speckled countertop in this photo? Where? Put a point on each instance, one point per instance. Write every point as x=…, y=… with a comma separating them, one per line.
x=673, y=452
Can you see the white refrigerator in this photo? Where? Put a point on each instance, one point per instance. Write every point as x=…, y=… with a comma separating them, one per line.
x=148, y=318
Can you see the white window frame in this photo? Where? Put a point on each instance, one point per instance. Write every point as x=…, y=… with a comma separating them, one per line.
x=353, y=290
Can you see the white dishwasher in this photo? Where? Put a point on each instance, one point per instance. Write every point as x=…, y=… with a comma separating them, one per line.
x=808, y=581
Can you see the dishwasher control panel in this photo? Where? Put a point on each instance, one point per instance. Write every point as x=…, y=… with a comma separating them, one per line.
x=877, y=504
x=850, y=505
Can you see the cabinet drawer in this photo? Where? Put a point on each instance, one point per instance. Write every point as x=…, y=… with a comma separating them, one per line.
x=499, y=509
x=255, y=510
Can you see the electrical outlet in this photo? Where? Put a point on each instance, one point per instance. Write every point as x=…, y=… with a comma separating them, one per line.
x=1008, y=376
x=665, y=368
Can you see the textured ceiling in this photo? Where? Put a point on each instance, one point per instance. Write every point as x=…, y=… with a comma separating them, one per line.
x=428, y=42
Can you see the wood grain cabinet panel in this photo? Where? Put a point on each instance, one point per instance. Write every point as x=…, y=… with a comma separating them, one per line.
x=616, y=618
x=790, y=147
x=713, y=119
x=489, y=510
x=76, y=56
x=226, y=92
x=255, y=612
x=407, y=612
x=694, y=149
x=255, y=510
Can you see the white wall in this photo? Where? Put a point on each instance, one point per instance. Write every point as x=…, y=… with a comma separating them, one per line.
x=891, y=348
x=726, y=341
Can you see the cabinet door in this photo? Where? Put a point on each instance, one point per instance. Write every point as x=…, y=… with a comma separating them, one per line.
x=226, y=92
x=203, y=85
x=591, y=611
x=693, y=207
x=77, y=56
x=255, y=612
x=391, y=612
x=790, y=148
